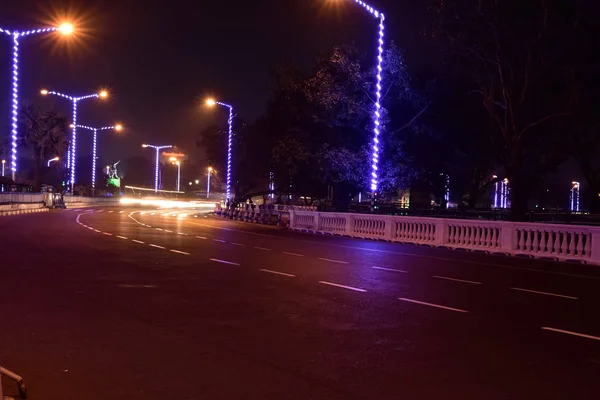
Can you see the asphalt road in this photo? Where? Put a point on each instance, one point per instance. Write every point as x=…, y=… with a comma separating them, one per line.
x=99, y=304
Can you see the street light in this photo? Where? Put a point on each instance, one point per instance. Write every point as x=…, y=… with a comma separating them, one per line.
x=65, y=29
x=52, y=159
x=178, y=173
x=212, y=103
x=158, y=149
x=208, y=184
x=117, y=127
x=73, y=147
x=575, y=196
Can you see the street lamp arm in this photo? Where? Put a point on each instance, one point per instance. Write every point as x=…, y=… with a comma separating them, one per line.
x=36, y=31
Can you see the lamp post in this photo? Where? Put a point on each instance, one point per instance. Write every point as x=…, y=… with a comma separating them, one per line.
x=212, y=103
x=575, y=196
x=178, y=174
x=73, y=146
x=117, y=127
x=65, y=29
x=210, y=170
x=52, y=159
x=158, y=149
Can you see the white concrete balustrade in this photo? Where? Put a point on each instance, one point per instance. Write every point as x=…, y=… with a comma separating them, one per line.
x=552, y=241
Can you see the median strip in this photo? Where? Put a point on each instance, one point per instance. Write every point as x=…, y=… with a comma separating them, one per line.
x=457, y=280
x=546, y=293
x=343, y=286
x=432, y=305
x=571, y=333
x=278, y=273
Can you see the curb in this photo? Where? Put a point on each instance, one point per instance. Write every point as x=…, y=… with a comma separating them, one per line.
x=18, y=212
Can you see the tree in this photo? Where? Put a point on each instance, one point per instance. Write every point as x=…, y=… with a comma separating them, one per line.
x=44, y=135
x=515, y=51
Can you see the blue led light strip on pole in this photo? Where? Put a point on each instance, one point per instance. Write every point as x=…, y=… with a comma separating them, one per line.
x=158, y=149
x=377, y=112
x=95, y=143
x=16, y=36
x=73, y=145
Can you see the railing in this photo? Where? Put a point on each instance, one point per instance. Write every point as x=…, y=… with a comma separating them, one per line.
x=21, y=198
x=539, y=240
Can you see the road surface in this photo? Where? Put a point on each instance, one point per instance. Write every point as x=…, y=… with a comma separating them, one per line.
x=112, y=303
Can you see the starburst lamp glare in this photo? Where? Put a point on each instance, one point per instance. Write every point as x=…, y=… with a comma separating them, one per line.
x=117, y=128
x=71, y=155
x=16, y=37
x=211, y=103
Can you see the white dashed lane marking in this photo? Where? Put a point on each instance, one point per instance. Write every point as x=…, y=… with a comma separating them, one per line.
x=223, y=261
x=278, y=273
x=343, y=286
x=545, y=293
x=156, y=246
x=432, y=305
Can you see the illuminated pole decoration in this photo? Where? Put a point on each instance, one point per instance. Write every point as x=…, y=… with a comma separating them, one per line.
x=575, y=196
x=117, y=127
x=65, y=29
x=3, y=163
x=73, y=145
x=377, y=112
x=158, y=149
x=212, y=103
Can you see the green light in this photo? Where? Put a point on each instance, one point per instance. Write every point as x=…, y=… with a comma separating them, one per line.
x=116, y=182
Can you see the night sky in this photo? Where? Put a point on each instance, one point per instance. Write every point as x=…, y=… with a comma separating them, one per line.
x=160, y=59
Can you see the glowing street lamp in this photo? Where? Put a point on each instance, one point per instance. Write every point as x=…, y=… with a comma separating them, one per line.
x=73, y=146
x=158, y=149
x=52, y=159
x=3, y=163
x=210, y=170
x=212, y=103
x=65, y=29
x=117, y=127
x=575, y=196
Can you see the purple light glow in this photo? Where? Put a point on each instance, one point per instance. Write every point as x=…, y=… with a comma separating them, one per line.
x=16, y=35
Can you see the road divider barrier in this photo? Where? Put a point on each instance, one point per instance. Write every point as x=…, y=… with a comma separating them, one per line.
x=535, y=240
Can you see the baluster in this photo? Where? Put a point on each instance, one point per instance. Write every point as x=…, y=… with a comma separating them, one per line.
x=565, y=243
x=521, y=233
x=580, y=237
x=536, y=241
x=572, y=243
